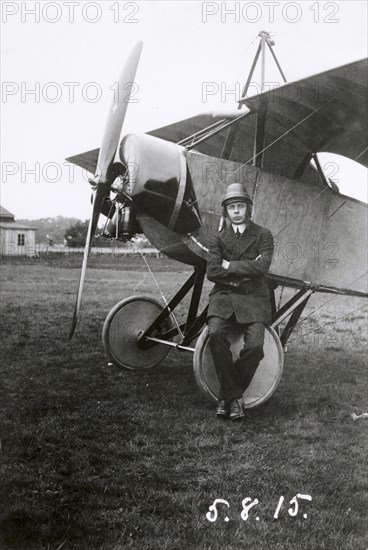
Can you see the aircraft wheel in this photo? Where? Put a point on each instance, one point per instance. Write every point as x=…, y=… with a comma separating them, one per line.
x=265, y=380
x=122, y=327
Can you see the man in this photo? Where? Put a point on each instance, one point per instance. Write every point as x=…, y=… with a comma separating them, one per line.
x=239, y=257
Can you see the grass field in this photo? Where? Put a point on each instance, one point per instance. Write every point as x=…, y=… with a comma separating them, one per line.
x=93, y=457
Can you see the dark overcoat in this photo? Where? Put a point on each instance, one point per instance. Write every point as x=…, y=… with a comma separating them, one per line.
x=240, y=289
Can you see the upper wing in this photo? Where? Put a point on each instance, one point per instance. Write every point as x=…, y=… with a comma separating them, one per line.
x=328, y=111
x=325, y=112
x=282, y=158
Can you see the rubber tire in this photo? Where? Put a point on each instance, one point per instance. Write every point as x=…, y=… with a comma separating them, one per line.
x=261, y=386
x=124, y=323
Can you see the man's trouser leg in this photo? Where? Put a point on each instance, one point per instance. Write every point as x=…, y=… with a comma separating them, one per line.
x=227, y=374
x=251, y=354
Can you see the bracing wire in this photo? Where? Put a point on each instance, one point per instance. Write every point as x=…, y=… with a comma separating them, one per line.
x=137, y=249
x=262, y=151
x=334, y=321
x=330, y=300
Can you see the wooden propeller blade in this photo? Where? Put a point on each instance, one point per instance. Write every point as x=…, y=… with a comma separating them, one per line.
x=117, y=113
x=96, y=209
x=106, y=155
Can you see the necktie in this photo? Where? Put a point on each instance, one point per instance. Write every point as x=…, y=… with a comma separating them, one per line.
x=237, y=233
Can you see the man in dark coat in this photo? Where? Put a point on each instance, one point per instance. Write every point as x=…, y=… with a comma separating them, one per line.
x=239, y=257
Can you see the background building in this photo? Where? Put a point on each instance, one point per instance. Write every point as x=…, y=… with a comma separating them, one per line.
x=16, y=239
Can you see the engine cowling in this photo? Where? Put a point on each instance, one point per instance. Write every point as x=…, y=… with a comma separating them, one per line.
x=158, y=181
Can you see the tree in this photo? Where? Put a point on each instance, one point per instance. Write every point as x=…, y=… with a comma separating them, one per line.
x=50, y=228
x=76, y=234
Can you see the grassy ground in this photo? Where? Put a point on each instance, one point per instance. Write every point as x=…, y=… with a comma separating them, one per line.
x=93, y=457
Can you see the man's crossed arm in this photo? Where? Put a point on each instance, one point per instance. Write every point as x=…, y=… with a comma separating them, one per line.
x=221, y=270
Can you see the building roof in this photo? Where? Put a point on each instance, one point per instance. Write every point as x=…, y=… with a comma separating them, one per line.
x=7, y=221
x=15, y=225
x=5, y=214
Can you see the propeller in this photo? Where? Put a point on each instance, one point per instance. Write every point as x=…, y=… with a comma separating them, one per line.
x=105, y=176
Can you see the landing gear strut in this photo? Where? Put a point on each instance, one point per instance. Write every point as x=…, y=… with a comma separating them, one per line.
x=139, y=331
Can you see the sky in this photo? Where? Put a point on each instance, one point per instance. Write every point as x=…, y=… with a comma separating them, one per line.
x=60, y=60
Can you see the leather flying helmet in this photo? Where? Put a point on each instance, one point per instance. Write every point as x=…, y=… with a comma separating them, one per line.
x=236, y=192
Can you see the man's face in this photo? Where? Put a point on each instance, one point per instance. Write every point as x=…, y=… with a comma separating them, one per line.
x=237, y=212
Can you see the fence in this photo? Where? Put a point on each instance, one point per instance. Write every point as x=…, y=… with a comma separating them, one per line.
x=42, y=249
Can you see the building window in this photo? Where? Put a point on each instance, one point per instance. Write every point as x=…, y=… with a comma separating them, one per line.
x=21, y=239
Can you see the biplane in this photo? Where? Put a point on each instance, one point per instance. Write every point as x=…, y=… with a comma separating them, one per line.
x=168, y=184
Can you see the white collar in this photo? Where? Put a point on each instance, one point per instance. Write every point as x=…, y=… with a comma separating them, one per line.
x=241, y=228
